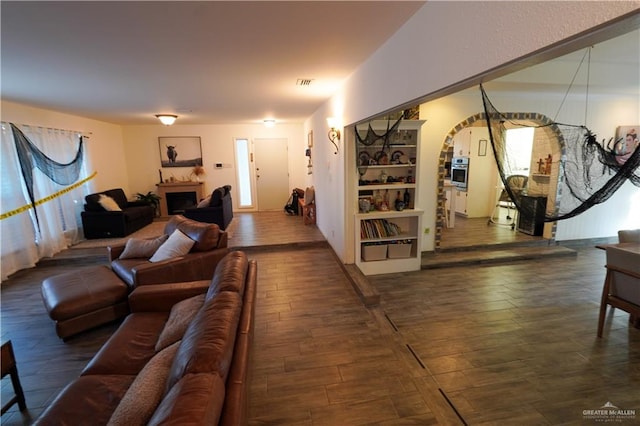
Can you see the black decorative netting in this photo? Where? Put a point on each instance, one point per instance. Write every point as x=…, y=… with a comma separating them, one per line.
x=589, y=172
x=30, y=156
x=372, y=137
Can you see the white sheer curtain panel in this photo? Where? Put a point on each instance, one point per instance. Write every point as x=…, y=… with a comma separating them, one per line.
x=58, y=222
x=17, y=234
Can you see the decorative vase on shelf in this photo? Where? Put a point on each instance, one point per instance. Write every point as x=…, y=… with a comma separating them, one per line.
x=399, y=204
x=406, y=198
x=365, y=205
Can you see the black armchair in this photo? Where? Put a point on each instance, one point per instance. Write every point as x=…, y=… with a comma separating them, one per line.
x=218, y=210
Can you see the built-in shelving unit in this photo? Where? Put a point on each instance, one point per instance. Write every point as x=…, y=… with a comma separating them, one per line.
x=388, y=233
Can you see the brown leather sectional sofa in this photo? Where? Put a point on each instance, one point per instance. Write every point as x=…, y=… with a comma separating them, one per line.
x=202, y=379
x=198, y=264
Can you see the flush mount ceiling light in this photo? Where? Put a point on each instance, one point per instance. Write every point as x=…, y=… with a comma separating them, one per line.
x=269, y=122
x=167, y=119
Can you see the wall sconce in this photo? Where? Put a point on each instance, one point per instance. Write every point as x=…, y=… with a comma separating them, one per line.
x=334, y=133
x=167, y=119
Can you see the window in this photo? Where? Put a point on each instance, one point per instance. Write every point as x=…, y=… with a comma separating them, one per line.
x=243, y=166
x=519, y=145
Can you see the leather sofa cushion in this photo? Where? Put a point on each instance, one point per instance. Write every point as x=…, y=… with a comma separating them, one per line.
x=206, y=235
x=230, y=274
x=99, y=394
x=207, y=345
x=82, y=291
x=124, y=268
x=629, y=236
x=195, y=396
x=145, y=393
x=129, y=349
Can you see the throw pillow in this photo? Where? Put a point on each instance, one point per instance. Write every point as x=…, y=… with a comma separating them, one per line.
x=309, y=195
x=147, y=390
x=109, y=204
x=181, y=315
x=205, y=202
x=176, y=245
x=142, y=247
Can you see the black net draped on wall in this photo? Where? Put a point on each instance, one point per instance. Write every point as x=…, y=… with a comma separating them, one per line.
x=30, y=156
x=589, y=172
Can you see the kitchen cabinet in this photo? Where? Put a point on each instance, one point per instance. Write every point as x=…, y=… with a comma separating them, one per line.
x=479, y=199
x=461, y=202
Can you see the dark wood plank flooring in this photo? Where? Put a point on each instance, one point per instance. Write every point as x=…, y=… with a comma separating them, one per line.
x=497, y=344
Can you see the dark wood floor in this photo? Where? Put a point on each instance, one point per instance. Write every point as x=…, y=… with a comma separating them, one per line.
x=480, y=232
x=499, y=344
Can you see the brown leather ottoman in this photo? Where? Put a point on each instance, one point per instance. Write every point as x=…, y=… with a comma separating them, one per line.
x=83, y=299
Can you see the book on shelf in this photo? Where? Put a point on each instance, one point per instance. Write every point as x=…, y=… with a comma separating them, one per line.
x=378, y=228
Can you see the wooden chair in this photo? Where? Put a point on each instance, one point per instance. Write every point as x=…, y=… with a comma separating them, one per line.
x=9, y=367
x=307, y=205
x=622, y=283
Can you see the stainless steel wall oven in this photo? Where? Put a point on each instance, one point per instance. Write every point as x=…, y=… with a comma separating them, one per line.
x=460, y=172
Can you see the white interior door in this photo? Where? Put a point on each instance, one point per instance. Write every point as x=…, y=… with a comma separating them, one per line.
x=272, y=173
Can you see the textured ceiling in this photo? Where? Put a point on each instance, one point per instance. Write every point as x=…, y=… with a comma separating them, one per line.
x=230, y=61
x=208, y=62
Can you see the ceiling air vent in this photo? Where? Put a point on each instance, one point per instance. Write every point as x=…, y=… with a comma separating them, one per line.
x=304, y=82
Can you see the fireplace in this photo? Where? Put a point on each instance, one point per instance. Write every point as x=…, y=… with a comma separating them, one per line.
x=178, y=202
x=178, y=196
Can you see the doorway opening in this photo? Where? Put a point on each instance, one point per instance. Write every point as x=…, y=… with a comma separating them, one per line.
x=547, y=138
x=272, y=173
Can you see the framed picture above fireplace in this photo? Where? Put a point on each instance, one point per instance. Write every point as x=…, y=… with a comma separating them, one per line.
x=180, y=151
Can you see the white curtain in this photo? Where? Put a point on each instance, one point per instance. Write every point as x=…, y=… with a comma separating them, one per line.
x=58, y=225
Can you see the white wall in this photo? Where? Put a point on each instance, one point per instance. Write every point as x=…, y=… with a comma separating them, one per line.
x=104, y=146
x=142, y=153
x=129, y=157
x=328, y=179
x=443, y=44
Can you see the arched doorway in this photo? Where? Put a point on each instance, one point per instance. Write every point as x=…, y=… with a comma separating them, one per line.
x=545, y=131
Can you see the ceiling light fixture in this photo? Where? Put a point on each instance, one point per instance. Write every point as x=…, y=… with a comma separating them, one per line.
x=269, y=122
x=167, y=119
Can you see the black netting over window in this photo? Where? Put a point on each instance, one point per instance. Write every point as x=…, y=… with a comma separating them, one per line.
x=588, y=172
x=30, y=156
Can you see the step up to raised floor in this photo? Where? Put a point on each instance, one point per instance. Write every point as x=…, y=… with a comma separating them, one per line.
x=491, y=255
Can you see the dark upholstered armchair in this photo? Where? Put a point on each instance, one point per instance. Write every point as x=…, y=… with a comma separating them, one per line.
x=97, y=222
x=218, y=210
x=199, y=264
